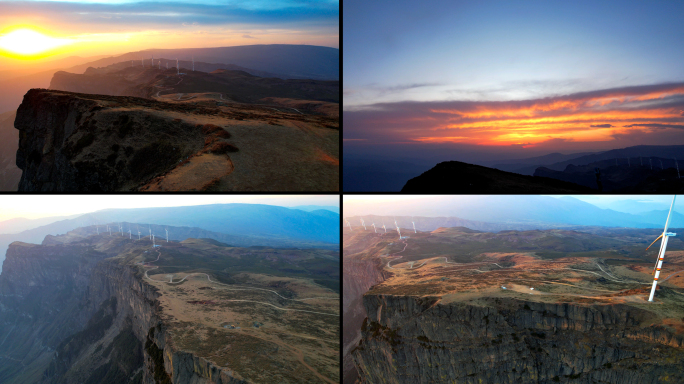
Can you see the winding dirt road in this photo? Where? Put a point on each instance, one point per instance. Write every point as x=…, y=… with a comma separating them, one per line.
x=239, y=289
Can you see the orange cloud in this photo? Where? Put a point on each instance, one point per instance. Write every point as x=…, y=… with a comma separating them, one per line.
x=597, y=116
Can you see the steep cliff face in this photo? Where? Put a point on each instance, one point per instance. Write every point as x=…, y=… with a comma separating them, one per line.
x=70, y=315
x=90, y=143
x=40, y=303
x=73, y=142
x=359, y=276
x=9, y=141
x=409, y=339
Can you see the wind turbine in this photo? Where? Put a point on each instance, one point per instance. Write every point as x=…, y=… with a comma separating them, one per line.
x=167, y=234
x=661, y=253
x=350, y=228
x=98, y=229
x=138, y=232
x=109, y=230
x=383, y=225
x=677, y=164
x=121, y=229
x=153, y=244
x=364, y=224
x=375, y=230
x=398, y=231
x=150, y=228
x=129, y=234
x=414, y=225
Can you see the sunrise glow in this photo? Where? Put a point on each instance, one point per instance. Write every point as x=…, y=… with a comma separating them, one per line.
x=28, y=42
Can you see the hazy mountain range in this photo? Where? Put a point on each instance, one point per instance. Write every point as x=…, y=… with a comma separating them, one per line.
x=528, y=211
x=287, y=61
x=238, y=224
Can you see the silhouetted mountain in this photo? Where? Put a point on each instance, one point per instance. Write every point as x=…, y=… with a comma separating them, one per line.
x=458, y=177
x=558, y=162
x=289, y=61
x=233, y=85
x=609, y=177
x=528, y=165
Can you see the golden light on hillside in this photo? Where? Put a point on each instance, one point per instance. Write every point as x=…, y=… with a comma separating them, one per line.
x=26, y=42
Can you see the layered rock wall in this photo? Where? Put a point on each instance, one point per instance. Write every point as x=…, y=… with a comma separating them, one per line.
x=409, y=339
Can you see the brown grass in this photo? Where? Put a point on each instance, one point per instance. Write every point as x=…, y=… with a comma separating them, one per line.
x=222, y=147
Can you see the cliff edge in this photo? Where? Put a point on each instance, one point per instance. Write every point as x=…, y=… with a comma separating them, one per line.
x=88, y=143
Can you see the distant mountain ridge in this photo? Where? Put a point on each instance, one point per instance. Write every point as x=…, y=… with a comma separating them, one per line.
x=290, y=61
x=558, y=161
x=241, y=224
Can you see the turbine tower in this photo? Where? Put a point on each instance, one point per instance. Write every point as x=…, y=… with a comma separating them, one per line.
x=167, y=234
x=153, y=244
x=138, y=228
x=414, y=225
x=109, y=230
x=129, y=234
x=364, y=224
x=98, y=229
x=661, y=253
x=150, y=228
x=374, y=230
x=383, y=225
x=398, y=231
x=677, y=164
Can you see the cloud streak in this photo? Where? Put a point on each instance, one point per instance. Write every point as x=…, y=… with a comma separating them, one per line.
x=108, y=16
x=595, y=116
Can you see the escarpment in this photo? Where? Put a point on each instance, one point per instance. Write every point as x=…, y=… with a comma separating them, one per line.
x=412, y=339
x=90, y=143
x=75, y=142
x=72, y=314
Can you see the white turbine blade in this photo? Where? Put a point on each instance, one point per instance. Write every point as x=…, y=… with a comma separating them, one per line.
x=667, y=223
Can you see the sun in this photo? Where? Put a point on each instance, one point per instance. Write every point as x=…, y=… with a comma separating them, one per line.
x=28, y=42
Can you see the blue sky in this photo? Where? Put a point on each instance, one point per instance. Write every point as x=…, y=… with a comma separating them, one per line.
x=503, y=50
x=117, y=26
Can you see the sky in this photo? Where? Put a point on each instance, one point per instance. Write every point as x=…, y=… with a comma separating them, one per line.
x=38, y=206
x=108, y=27
x=622, y=203
x=511, y=78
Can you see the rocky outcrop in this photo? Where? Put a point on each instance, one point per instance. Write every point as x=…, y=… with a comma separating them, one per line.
x=77, y=142
x=359, y=274
x=70, y=314
x=9, y=141
x=409, y=339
